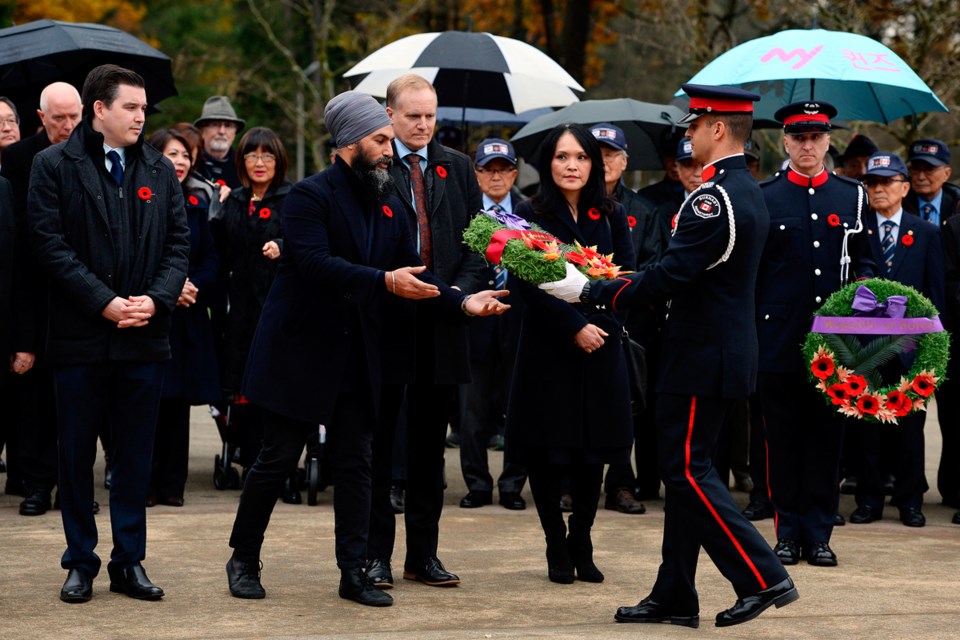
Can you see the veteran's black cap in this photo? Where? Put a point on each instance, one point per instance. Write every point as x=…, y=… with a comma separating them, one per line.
x=706, y=99
x=810, y=116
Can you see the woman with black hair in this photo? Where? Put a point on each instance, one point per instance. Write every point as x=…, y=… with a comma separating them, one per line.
x=569, y=410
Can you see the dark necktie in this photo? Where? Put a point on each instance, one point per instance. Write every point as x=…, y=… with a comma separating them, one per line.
x=929, y=213
x=887, y=245
x=116, y=169
x=500, y=274
x=420, y=202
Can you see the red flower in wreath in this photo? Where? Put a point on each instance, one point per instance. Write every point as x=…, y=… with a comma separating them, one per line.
x=899, y=403
x=593, y=213
x=387, y=211
x=441, y=172
x=838, y=393
x=631, y=221
x=576, y=258
x=265, y=214
x=907, y=240
x=869, y=404
x=193, y=201
x=144, y=193
x=856, y=385
x=822, y=367
x=833, y=220
x=924, y=384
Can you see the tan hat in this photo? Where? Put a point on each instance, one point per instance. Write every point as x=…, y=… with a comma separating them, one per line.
x=218, y=108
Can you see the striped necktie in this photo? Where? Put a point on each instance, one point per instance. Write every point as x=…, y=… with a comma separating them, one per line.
x=887, y=245
x=500, y=274
x=929, y=213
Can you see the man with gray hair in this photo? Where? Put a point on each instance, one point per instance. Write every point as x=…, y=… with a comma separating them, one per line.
x=219, y=125
x=316, y=356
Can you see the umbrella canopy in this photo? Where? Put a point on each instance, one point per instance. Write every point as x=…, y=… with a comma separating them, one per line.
x=477, y=70
x=861, y=77
x=643, y=123
x=35, y=54
x=471, y=116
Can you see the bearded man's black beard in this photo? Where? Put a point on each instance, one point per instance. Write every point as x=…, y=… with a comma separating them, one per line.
x=375, y=181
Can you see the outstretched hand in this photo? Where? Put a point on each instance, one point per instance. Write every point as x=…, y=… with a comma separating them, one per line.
x=485, y=303
x=403, y=282
x=569, y=288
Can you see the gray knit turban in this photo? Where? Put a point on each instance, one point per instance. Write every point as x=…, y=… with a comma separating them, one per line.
x=352, y=116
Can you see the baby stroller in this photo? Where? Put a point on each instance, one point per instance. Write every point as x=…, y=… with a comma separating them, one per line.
x=229, y=418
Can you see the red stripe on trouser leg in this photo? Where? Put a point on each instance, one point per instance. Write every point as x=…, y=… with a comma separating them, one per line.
x=766, y=450
x=710, y=508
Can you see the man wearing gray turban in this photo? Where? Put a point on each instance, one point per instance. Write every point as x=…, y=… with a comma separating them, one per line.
x=316, y=356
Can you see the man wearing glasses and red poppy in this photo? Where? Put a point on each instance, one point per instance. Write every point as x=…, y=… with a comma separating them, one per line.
x=907, y=250
x=815, y=246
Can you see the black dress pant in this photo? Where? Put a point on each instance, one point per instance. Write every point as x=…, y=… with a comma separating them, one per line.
x=33, y=414
x=905, y=440
x=124, y=399
x=383, y=521
x=758, y=451
x=699, y=510
x=546, y=485
x=948, y=414
x=171, y=449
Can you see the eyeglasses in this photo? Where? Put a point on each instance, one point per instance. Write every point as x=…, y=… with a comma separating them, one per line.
x=267, y=158
x=874, y=181
x=923, y=167
x=496, y=172
x=12, y=122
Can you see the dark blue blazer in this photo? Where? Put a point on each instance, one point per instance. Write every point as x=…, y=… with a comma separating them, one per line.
x=800, y=267
x=920, y=264
x=320, y=329
x=710, y=336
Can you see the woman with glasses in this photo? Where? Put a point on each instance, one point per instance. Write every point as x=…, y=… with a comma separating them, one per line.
x=249, y=242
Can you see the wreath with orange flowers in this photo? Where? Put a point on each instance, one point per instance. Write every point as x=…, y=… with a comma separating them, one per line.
x=530, y=253
x=845, y=367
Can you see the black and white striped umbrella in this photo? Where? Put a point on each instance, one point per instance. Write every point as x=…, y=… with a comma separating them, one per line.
x=478, y=70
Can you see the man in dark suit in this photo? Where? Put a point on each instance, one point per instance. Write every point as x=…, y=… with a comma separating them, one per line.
x=19, y=359
x=108, y=226
x=316, y=357
x=440, y=194
x=31, y=396
x=931, y=197
x=948, y=394
x=908, y=250
x=708, y=273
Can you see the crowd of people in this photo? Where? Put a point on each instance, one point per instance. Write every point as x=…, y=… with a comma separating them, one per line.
x=142, y=276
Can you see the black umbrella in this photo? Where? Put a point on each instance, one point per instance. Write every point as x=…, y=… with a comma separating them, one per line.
x=643, y=123
x=35, y=54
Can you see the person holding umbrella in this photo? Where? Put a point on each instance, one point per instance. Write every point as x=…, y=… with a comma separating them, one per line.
x=708, y=272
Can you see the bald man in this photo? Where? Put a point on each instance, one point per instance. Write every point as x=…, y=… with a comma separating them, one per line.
x=28, y=398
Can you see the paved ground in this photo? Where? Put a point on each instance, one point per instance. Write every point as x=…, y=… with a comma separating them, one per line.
x=892, y=583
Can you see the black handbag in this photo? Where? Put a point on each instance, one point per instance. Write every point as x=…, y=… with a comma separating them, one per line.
x=636, y=357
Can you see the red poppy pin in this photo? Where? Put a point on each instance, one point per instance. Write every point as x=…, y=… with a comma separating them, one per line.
x=144, y=193
x=222, y=182
x=264, y=213
x=673, y=221
x=907, y=240
x=833, y=220
x=193, y=200
x=387, y=211
x=593, y=213
x=631, y=221
x=441, y=172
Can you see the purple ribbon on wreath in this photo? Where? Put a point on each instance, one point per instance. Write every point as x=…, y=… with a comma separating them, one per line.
x=865, y=304
x=509, y=220
x=876, y=318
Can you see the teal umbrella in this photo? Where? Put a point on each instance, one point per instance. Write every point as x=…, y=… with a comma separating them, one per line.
x=860, y=76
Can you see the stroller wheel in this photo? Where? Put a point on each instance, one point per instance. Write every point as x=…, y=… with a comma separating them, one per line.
x=313, y=480
x=220, y=481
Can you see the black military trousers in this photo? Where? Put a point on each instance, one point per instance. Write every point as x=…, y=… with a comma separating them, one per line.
x=948, y=413
x=805, y=440
x=699, y=510
x=906, y=462
x=349, y=438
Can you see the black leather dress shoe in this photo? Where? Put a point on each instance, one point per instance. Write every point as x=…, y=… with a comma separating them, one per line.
x=866, y=515
x=912, y=517
x=36, y=504
x=78, y=587
x=397, y=498
x=170, y=501
x=821, y=555
x=956, y=518
x=475, y=499
x=379, y=573
x=559, y=562
x=431, y=572
x=622, y=500
x=649, y=611
x=745, y=609
x=838, y=520
x=243, y=579
x=354, y=585
x=133, y=581
x=788, y=551
x=512, y=501
x=758, y=510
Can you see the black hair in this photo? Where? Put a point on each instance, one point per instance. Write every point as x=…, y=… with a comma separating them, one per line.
x=103, y=84
x=266, y=139
x=549, y=198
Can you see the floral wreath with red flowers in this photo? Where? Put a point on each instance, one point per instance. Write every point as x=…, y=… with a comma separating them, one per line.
x=864, y=326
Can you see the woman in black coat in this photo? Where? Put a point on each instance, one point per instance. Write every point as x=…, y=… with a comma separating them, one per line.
x=569, y=411
x=191, y=376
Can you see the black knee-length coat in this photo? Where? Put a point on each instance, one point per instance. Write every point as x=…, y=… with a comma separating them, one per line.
x=565, y=404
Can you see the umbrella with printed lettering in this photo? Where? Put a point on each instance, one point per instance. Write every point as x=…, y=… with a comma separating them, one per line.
x=860, y=76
